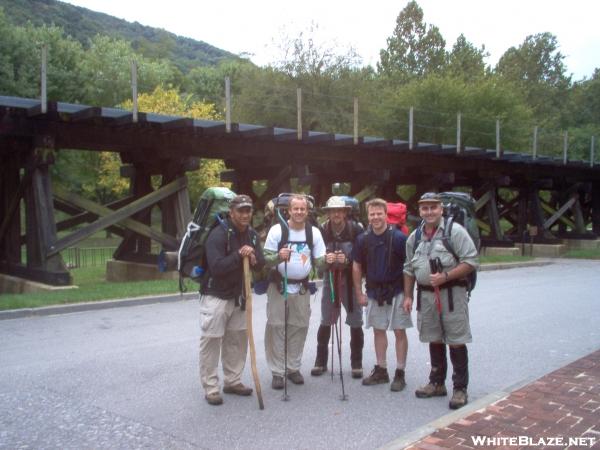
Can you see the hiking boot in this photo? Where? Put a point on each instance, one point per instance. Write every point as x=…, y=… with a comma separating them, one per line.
x=277, y=382
x=238, y=389
x=379, y=375
x=296, y=377
x=318, y=371
x=459, y=399
x=214, y=399
x=431, y=390
x=357, y=372
x=399, y=383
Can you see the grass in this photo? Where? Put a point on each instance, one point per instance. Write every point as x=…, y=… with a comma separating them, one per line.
x=583, y=253
x=92, y=287
x=503, y=259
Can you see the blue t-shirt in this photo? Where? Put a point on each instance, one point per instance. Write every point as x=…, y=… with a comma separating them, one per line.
x=379, y=266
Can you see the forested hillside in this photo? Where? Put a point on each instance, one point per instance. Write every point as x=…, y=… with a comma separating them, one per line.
x=83, y=24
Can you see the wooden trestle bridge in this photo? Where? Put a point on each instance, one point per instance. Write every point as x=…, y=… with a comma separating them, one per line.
x=560, y=198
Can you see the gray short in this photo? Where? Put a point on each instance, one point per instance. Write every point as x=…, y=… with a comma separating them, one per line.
x=454, y=328
x=388, y=317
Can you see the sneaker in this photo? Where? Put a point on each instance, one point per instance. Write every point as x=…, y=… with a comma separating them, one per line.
x=214, y=399
x=431, y=390
x=277, y=382
x=459, y=399
x=238, y=389
x=296, y=377
x=399, y=383
x=318, y=371
x=379, y=375
x=357, y=373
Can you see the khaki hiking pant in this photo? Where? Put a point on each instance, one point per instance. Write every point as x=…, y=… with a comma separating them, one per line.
x=223, y=336
x=298, y=321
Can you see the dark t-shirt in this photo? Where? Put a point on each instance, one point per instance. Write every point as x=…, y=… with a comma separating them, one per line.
x=381, y=264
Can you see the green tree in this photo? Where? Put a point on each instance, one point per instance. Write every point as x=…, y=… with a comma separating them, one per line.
x=466, y=61
x=20, y=61
x=438, y=99
x=414, y=50
x=329, y=78
x=107, y=71
x=537, y=67
x=171, y=102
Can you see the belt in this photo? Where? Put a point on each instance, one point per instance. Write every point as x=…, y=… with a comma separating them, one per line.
x=449, y=286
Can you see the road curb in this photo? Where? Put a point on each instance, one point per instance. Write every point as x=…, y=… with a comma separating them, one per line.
x=136, y=301
x=514, y=265
x=91, y=306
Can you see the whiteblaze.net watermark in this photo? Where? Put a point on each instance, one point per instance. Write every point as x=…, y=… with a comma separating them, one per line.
x=517, y=441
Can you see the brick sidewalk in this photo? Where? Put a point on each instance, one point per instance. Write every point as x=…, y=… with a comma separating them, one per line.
x=563, y=404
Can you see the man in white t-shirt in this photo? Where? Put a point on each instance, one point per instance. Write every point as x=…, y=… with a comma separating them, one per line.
x=293, y=249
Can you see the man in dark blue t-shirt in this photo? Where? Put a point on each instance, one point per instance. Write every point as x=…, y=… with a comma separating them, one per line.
x=379, y=254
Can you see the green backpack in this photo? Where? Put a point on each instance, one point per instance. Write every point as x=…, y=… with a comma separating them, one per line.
x=211, y=211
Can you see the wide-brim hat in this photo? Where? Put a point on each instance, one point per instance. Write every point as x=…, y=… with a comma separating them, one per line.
x=336, y=202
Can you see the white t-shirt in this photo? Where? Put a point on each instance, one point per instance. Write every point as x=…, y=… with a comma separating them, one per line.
x=299, y=265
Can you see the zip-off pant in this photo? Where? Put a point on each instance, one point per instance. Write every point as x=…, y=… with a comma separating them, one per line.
x=224, y=334
x=298, y=321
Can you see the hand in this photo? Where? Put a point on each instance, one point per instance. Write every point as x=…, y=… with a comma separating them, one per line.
x=407, y=304
x=284, y=253
x=437, y=279
x=252, y=259
x=330, y=258
x=363, y=299
x=246, y=250
x=340, y=258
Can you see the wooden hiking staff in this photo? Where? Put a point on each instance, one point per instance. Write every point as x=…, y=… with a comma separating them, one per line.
x=248, y=290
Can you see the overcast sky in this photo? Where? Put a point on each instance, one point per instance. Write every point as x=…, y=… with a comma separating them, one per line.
x=243, y=26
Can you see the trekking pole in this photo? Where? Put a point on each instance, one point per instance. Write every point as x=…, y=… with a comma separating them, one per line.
x=286, y=397
x=435, y=266
x=285, y=333
x=248, y=294
x=339, y=338
x=332, y=319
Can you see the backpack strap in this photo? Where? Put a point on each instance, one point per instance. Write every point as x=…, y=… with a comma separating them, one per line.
x=418, y=236
x=448, y=222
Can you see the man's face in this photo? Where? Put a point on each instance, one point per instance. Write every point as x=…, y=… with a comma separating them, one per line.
x=377, y=218
x=240, y=217
x=298, y=211
x=431, y=213
x=337, y=216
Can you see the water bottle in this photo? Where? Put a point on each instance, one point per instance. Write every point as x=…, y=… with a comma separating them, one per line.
x=197, y=272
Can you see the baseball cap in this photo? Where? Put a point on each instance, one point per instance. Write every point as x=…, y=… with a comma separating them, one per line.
x=240, y=201
x=430, y=197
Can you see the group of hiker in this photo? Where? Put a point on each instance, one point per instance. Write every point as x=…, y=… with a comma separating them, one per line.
x=374, y=268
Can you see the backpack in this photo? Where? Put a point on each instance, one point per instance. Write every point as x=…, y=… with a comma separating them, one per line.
x=211, y=211
x=280, y=205
x=459, y=207
x=353, y=203
x=396, y=214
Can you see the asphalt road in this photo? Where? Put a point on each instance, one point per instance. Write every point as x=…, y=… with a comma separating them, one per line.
x=128, y=377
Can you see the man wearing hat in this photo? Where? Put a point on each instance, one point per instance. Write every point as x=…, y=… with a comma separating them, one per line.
x=442, y=300
x=222, y=316
x=339, y=234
